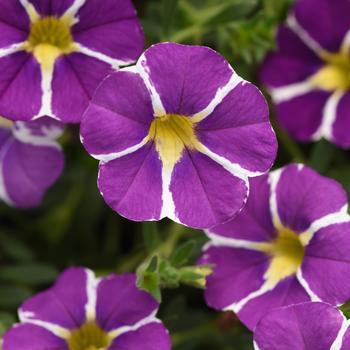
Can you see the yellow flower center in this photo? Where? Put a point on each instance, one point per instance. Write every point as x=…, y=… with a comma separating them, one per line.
x=49, y=38
x=287, y=254
x=335, y=75
x=173, y=133
x=89, y=337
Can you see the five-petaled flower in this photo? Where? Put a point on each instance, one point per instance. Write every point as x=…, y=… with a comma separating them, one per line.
x=290, y=244
x=311, y=325
x=81, y=312
x=178, y=135
x=309, y=75
x=31, y=160
x=53, y=54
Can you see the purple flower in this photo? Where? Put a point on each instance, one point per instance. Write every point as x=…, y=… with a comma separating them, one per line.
x=53, y=54
x=290, y=244
x=30, y=160
x=314, y=326
x=178, y=135
x=309, y=74
x=81, y=312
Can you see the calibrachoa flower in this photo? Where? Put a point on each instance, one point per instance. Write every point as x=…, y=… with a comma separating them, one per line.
x=178, y=135
x=309, y=75
x=30, y=160
x=314, y=326
x=290, y=244
x=53, y=54
x=81, y=312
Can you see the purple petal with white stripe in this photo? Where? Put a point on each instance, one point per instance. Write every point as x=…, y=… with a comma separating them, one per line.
x=186, y=77
x=153, y=336
x=303, y=196
x=326, y=265
x=237, y=273
x=74, y=81
x=326, y=21
x=31, y=337
x=293, y=58
x=204, y=193
x=287, y=292
x=63, y=304
x=128, y=306
x=110, y=27
x=20, y=80
x=254, y=222
x=123, y=180
x=119, y=115
x=239, y=129
x=304, y=326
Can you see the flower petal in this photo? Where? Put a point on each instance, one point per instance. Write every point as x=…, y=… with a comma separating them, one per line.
x=110, y=27
x=119, y=116
x=205, y=194
x=52, y=7
x=325, y=21
x=20, y=81
x=302, y=115
x=287, y=292
x=254, y=222
x=132, y=184
x=75, y=79
x=29, y=170
x=186, y=77
x=304, y=196
x=326, y=265
x=239, y=129
x=63, y=304
x=237, y=273
x=293, y=58
x=14, y=23
x=120, y=303
x=304, y=326
x=153, y=336
x=31, y=337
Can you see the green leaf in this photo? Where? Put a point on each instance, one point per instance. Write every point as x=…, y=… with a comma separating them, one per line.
x=149, y=281
x=183, y=253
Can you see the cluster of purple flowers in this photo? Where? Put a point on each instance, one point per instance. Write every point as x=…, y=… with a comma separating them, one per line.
x=181, y=135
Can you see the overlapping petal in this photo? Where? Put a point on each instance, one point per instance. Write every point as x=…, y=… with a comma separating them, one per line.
x=52, y=7
x=254, y=223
